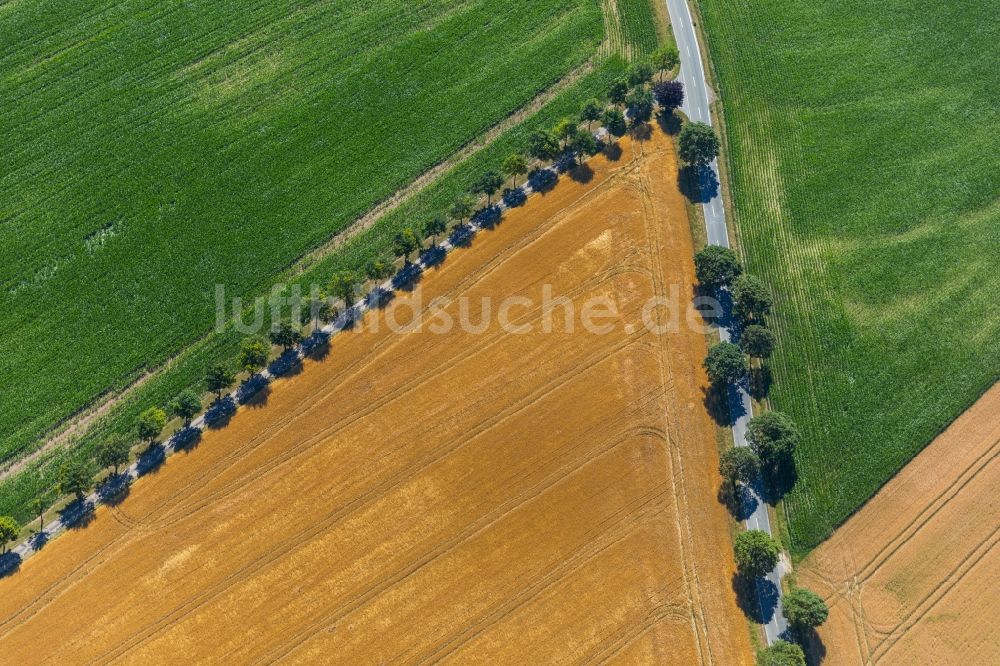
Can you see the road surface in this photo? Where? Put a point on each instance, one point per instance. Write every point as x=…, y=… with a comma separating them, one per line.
x=696, y=107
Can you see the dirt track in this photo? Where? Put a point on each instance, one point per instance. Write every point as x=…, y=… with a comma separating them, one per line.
x=472, y=498
x=912, y=578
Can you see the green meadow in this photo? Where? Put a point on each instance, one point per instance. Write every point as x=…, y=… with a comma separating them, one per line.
x=160, y=149
x=863, y=146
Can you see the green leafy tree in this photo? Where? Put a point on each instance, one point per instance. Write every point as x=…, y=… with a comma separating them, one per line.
x=739, y=464
x=640, y=105
x=773, y=436
x=666, y=58
x=9, y=529
x=585, y=144
x=757, y=341
x=618, y=91
x=715, y=265
x=150, y=423
x=543, y=146
x=591, y=111
x=565, y=130
x=218, y=378
x=725, y=363
x=114, y=453
x=379, y=268
x=436, y=226
x=76, y=477
x=781, y=653
x=344, y=285
x=756, y=553
x=804, y=609
x=462, y=208
x=38, y=505
x=614, y=120
x=697, y=144
x=186, y=405
x=640, y=73
x=286, y=334
x=405, y=243
x=514, y=165
x=488, y=183
x=751, y=297
x=254, y=353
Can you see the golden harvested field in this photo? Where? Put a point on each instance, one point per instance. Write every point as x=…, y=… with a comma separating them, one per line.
x=912, y=578
x=459, y=497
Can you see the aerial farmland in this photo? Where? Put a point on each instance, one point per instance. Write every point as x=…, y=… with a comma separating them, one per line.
x=550, y=332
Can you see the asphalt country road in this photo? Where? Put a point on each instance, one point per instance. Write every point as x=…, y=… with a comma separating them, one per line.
x=696, y=107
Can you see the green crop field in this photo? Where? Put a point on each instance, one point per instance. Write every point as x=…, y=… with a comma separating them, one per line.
x=863, y=150
x=159, y=149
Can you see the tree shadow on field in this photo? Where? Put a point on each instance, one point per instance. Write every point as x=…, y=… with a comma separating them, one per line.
x=779, y=480
x=760, y=382
x=149, y=461
x=253, y=392
x=669, y=122
x=38, y=540
x=433, y=257
x=698, y=183
x=812, y=645
x=287, y=365
x=462, y=235
x=114, y=489
x=10, y=562
x=737, y=499
x=220, y=413
x=582, y=174
x=408, y=277
x=756, y=597
x=488, y=217
x=641, y=132
x=612, y=151
x=77, y=514
x=317, y=345
x=187, y=439
x=716, y=401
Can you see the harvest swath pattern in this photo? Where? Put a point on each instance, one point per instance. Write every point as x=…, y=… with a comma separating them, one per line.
x=153, y=150
x=546, y=497
x=861, y=138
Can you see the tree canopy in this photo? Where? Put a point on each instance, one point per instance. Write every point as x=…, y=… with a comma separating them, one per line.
x=618, y=91
x=488, y=183
x=543, y=145
x=76, y=477
x=725, y=363
x=739, y=463
x=697, y=144
x=437, y=225
x=186, y=405
x=344, y=285
x=669, y=94
x=379, y=268
x=464, y=205
x=665, y=58
x=614, y=121
x=751, y=297
x=804, y=609
x=254, y=353
x=286, y=334
x=773, y=436
x=114, y=453
x=639, y=73
x=405, y=243
x=757, y=341
x=565, y=130
x=756, y=552
x=219, y=377
x=150, y=423
x=584, y=143
x=781, y=653
x=591, y=111
x=715, y=265
x=514, y=165
x=640, y=104
x=9, y=529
